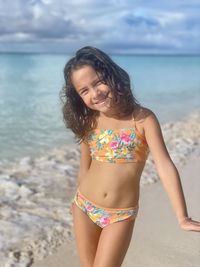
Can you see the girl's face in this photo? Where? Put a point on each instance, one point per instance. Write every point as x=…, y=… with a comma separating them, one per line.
x=92, y=89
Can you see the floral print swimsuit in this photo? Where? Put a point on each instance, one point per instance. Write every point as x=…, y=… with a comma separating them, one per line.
x=118, y=145
x=114, y=146
x=103, y=216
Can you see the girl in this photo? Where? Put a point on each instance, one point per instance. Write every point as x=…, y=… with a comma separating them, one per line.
x=116, y=135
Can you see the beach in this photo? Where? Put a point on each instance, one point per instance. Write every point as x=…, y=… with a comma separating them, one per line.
x=36, y=226
x=157, y=240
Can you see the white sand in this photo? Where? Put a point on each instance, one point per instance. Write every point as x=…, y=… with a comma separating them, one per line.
x=157, y=239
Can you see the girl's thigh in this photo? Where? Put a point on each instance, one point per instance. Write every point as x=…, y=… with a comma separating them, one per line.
x=113, y=244
x=87, y=235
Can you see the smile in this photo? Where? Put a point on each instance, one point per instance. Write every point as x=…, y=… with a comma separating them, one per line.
x=101, y=102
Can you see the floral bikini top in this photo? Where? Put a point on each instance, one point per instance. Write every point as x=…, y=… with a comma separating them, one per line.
x=118, y=145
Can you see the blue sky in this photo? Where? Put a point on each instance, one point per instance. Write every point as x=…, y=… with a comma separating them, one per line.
x=117, y=26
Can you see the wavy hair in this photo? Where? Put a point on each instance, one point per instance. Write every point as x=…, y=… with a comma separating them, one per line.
x=76, y=115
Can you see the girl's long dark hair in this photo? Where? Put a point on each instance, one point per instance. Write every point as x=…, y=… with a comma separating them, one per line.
x=76, y=115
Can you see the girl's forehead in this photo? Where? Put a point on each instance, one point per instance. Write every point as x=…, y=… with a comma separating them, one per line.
x=83, y=75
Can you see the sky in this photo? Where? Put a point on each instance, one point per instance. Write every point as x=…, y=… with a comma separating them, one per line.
x=117, y=26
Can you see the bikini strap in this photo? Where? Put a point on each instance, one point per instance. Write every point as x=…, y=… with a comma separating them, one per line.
x=134, y=120
x=136, y=127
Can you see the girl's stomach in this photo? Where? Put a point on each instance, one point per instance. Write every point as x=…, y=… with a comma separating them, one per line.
x=112, y=185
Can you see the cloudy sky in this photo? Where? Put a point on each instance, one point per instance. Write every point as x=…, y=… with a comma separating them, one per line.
x=117, y=26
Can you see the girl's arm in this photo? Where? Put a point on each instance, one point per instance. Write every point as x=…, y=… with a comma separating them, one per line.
x=167, y=172
x=85, y=161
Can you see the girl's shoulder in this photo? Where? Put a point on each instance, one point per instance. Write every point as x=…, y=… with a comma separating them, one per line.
x=149, y=121
x=141, y=116
x=141, y=113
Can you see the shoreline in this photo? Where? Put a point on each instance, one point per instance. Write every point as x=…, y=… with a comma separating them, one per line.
x=36, y=193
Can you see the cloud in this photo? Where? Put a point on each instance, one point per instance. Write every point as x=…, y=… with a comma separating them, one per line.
x=122, y=26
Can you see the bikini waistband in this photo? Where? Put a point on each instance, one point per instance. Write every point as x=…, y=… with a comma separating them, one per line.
x=97, y=205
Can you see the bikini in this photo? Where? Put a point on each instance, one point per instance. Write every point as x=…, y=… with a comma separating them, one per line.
x=114, y=146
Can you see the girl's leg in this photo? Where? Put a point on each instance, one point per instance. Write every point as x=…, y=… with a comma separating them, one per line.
x=113, y=244
x=87, y=235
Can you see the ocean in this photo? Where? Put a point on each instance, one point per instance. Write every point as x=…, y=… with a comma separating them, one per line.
x=31, y=118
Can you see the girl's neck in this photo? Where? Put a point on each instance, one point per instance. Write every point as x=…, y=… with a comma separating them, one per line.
x=114, y=121
x=110, y=115
x=115, y=115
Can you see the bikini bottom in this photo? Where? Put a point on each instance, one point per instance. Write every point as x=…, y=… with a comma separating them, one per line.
x=103, y=216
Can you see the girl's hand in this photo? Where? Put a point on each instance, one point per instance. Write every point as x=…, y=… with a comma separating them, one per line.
x=188, y=224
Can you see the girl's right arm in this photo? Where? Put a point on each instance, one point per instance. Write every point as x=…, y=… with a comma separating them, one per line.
x=85, y=162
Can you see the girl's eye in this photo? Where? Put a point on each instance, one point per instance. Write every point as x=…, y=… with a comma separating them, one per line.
x=83, y=92
x=100, y=82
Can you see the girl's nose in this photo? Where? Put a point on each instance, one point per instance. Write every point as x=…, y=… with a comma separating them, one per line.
x=95, y=93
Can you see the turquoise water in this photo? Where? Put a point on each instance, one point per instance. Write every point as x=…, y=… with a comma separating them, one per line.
x=31, y=119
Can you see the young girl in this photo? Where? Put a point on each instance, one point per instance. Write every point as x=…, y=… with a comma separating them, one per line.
x=116, y=135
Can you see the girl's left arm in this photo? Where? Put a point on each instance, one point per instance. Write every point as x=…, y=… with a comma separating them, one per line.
x=168, y=172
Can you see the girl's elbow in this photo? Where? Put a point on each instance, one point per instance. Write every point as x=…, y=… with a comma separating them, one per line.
x=166, y=167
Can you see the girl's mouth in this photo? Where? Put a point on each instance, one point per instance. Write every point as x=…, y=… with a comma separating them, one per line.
x=101, y=101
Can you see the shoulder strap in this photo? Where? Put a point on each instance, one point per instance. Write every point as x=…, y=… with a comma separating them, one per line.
x=133, y=118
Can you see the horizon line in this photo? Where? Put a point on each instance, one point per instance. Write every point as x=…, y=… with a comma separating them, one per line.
x=113, y=54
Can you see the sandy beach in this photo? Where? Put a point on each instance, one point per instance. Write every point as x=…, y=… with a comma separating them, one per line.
x=157, y=239
x=36, y=227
